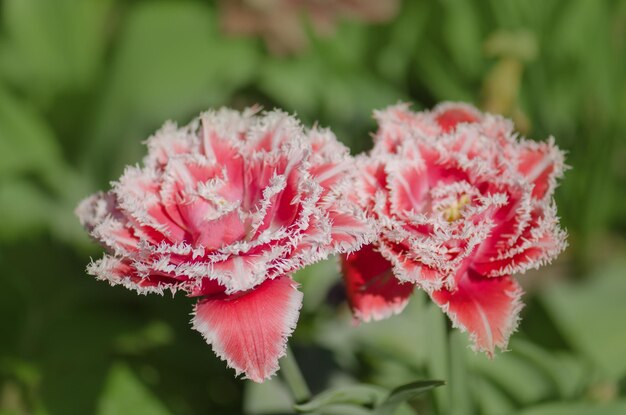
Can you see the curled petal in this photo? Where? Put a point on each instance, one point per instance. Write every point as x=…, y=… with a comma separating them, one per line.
x=450, y=114
x=541, y=164
x=250, y=330
x=349, y=230
x=540, y=242
x=487, y=308
x=373, y=292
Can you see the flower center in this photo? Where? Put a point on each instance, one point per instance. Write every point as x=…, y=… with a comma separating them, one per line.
x=453, y=212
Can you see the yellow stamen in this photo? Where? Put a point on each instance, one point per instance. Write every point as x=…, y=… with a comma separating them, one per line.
x=453, y=212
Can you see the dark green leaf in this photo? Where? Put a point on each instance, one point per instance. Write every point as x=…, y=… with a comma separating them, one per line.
x=24, y=209
x=27, y=143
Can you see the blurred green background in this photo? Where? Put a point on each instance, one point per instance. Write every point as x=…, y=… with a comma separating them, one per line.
x=84, y=82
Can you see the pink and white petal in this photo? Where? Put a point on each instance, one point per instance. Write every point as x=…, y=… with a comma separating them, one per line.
x=220, y=232
x=349, y=230
x=275, y=129
x=250, y=330
x=168, y=142
x=541, y=163
x=408, y=187
x=450, y=114
x=325, y=147
x=137, y=196
x=118, y=271
x=397, y=123
x=487, y=308
x=329, y=175
x=222, y=133
x=373, y=291
x=407, y=269
x=540, y=242
x=99, y=214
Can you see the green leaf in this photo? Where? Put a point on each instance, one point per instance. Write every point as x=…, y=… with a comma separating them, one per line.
x=343, y=410
x=399, y=339
x=360, y=395
x=589, y=315
x=405, y=34
x=125, y=394
x=172, y=62
x=568, y=373
x=461, y=31
x=27, y=143
x=269, y=397
x=294, y=83
x=459, y=380
x=173, y=50
x=436, y=74
x=404, y=393
x=438, y=354
x=522, y=381
x=316, y=280
x=582, y=408
x=54, y=45
x=24, y=209
x=490, y=400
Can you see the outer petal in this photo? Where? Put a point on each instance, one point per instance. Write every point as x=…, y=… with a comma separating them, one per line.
x=373, y=292
x=250, y=330
x=488, y=308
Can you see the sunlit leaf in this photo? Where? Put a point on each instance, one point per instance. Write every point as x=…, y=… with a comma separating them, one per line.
x=358, y=395
x=522, y=381
x=588, y=315
x=125, y=394
x=459, y=379
x=404, y=393
x=269, y=397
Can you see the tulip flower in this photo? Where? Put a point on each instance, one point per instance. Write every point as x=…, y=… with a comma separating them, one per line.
x=225, y=209
x=461, y=204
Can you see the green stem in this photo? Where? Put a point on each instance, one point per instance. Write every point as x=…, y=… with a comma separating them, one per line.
x=292, y=375
x=460, y=397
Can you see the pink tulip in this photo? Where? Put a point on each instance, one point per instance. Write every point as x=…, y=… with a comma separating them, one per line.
x=461, y=204
x=226, y=209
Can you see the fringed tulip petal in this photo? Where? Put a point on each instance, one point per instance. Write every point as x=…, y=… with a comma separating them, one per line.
x=487, y=308
x=373, y=292
x=249, y=330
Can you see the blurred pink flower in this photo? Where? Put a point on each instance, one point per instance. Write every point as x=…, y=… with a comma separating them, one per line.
x=225, y=209
x=461, y=205
x=281, y=22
